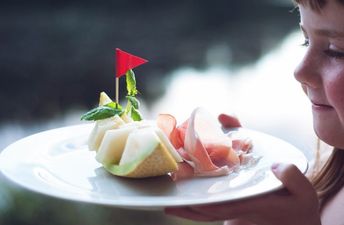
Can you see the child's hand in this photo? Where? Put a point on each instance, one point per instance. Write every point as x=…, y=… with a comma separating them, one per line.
x=297, y=204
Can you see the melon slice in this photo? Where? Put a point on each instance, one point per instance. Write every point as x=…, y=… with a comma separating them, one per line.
x=126, y=118
x=144, y=155
x=114, y=141
x=104, y=99
x=166, y=142
x=112, y=145
x=99, y=129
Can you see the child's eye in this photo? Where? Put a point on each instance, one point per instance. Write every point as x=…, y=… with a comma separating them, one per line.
x=334, y=54
x=305, y=43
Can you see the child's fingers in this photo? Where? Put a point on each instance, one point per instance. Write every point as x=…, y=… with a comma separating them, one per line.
x=292, y=179
x=188, y=213
x=228, y=121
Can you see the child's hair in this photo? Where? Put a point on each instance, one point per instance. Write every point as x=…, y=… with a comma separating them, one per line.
x=330, y=179
x=316, y=5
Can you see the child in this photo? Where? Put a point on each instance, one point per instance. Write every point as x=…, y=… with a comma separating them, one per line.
x=321, y=74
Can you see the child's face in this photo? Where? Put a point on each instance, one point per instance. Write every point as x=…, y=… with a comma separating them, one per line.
x=321, y=72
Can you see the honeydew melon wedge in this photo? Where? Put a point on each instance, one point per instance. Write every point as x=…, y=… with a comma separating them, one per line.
x=144, y=155
x=99, y=129
x=166, y=142
x=104, y=99
x=113, y=144
x=126, y=118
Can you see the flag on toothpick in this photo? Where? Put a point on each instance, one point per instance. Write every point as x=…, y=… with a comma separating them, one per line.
x=126, y=61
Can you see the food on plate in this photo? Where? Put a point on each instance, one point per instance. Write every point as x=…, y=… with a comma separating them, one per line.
x=129, y=146
x=206, y=150
x=144, y=155
x=100, y=127
x=137, y=149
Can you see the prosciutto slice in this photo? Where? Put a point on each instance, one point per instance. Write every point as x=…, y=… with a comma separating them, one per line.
x=206, y=150
x=201, y=139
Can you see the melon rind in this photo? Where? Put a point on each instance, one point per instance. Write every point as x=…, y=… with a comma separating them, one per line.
x=151, y=159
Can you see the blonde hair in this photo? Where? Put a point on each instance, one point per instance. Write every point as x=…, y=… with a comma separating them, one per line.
x=329, y=179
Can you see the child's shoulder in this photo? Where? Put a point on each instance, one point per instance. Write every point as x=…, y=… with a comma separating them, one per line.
x=332, y=213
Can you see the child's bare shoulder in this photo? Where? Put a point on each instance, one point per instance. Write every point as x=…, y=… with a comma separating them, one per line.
x=332, y=214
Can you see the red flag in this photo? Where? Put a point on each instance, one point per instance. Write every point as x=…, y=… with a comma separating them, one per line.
x=126, y=61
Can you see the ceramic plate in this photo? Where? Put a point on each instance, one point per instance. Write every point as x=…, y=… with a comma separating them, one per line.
x=58, y=163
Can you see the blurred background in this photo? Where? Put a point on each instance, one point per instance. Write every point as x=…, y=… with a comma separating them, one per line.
x=228, y=56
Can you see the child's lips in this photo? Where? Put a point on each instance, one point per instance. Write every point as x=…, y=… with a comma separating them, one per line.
x=321, y=106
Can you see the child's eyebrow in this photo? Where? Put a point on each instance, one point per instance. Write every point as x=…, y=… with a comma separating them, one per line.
x=330, y=33
x=326, y=32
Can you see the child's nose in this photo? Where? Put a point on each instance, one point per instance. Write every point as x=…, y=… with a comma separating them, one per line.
x=308, y=71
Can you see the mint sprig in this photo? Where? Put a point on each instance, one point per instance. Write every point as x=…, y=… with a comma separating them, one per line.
x=133, y=104
x=113, y=108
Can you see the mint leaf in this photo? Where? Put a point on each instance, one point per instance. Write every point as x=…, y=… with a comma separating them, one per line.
x=135, y=114
x=131, y=83
x=101, y=112
x=114, y=105
x=133, y=101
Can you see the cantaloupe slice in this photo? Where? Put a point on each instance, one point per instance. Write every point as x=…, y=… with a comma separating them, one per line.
x=144, y=155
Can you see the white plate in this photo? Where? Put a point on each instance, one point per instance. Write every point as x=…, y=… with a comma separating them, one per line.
x=58, y=163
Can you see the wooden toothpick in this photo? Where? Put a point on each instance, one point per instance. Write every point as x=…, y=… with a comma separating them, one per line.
x=117, y=90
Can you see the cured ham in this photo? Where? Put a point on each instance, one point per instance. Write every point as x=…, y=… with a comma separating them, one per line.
x=206, y=150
